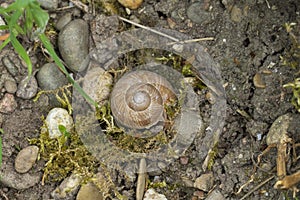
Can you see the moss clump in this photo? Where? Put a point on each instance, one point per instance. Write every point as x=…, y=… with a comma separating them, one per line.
x=64, y=155
x=292, y=59
x=134, y=144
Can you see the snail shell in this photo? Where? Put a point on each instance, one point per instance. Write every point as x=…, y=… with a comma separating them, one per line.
x=138, y=99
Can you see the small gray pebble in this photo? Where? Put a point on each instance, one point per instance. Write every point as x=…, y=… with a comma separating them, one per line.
x=10, y=86
x=73, y=44
x=50, y=77
x=10, y=66
x=27, y=89
x=49, y=4
x=26, y=159
x=197, y=14
x=63, y=21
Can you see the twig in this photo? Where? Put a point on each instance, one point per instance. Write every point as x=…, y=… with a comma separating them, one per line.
x=4, y=195
x=165, y=35
x=80, y=5
x=257, y=187
x=192, y=40
x=148, y=28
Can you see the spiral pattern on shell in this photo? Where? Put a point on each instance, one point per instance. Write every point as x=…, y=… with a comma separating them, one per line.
x=138, y=99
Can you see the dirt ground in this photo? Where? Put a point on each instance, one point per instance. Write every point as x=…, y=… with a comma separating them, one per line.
x=249, y=39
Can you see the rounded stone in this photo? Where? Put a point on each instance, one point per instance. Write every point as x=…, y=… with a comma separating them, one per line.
x=278, y=131
x=49, y=4
x=89, y=192
x=56, y=117
x=26, y=159
x=8, y=104
x=197, y=14
x=10, y=86
x=204, y=182
x=73, y=44
x=27, y=89
x=97, y=84
x=50, y=77
x=63, y=21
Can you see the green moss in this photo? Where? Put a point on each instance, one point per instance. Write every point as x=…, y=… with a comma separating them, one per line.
x=292, y=59
x=64, y=155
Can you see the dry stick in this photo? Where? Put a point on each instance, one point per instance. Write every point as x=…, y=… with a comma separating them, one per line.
x=165, y=35
x=257, y=187
x=149, y=29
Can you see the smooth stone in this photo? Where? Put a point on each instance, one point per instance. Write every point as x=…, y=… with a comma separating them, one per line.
x=151, y=194
x=26, y=159
x=73, y=43
x=49, y=77
x=10, y=86
x=215, y=194
x=197, y=14
x=10, y=66
x=204, y=182
x=236, y=14
x=8, y=104
x=56, y=117
x=279, y=129
x=67, y=188
x=97, y=84
x=63, y=21
x=259, y=81
x=27, y=89
x=131, y=4
x=13, y=179
x=89, y=192
x=49, y=4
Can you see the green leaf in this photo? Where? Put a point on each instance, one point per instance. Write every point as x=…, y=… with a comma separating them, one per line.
x=58, y=62
x=22, y=52
x=4, y=27
x=28, y=21
x=63, y=130
x=4, y=43
x=40, y=16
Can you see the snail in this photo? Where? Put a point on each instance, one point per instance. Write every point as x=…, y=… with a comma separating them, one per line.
x=138, y=100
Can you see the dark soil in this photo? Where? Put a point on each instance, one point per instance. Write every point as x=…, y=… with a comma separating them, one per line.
x=249, y=38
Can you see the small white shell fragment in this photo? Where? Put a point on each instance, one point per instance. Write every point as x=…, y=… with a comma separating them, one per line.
x=56, y=117
x=26, y=159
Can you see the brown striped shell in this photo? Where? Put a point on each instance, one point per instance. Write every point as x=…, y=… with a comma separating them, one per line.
x=138, y=99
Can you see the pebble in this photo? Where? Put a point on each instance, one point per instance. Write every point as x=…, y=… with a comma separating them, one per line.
x=151, y=194
x=49, y=4
x=197, y=14
x=184, y=160
x=97, y=84
x=8, y=104
x=27, y=89
x=50, y=77
x=258, y=81
x=279, y=129
x=216, y=194
x=67, y=188
x=26, y=159
x=10, y=66
x=73, y=44
x=63, y=21
x=236, y=14
x=56, y=117
x=89, y=192
x=131, y=4
x=10, y=86
x=204, y=182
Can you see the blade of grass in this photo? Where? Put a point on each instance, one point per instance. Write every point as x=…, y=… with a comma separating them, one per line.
x=58, y=62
